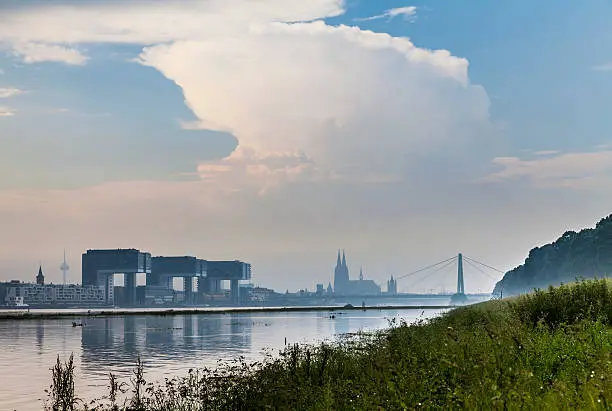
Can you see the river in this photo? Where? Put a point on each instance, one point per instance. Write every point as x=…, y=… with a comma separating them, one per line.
x=169, y=345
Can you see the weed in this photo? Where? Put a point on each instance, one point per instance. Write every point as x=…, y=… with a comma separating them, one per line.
x=548, y=350
x=61, y=392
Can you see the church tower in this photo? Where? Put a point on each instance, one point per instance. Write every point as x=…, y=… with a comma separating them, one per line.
x=345, y=270
x=341, y=277
x=40, y=278
x=392, y=286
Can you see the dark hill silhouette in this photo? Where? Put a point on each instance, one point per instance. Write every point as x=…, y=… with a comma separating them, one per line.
x=586, y=254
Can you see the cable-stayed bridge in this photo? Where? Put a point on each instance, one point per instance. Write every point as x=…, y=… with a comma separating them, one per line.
x=457, y=265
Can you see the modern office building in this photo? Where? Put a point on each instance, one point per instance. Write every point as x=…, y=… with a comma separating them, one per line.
x=199, y=276
x=159, y=295
x=100, y=266
x=190, y=269
x=232, y=271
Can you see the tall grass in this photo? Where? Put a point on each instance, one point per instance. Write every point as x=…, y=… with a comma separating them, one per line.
x=567, y=304
x=549, y=350
x=61, y=393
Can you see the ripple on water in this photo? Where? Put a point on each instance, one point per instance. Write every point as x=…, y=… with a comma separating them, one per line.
x=168, y=345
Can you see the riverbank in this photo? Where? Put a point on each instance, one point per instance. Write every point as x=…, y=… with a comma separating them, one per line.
x=548, y=350
x=84, y=313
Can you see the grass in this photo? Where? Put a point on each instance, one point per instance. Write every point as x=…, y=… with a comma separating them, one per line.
x=547, y=350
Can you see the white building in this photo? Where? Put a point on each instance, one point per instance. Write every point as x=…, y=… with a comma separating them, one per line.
x=260, y=294
x=52, y=294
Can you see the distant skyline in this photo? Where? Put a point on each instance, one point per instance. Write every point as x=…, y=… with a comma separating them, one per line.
x=277, y=131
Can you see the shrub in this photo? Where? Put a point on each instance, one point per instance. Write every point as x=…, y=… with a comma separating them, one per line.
x=549, y=350
x=567, y=304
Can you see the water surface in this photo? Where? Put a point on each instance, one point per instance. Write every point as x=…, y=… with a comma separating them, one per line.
x=169, y=345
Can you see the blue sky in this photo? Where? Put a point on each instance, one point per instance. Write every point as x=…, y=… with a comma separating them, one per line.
x=278, y=143
x=535, y=60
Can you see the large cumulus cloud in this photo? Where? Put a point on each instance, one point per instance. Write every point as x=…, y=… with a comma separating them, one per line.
x=352, y=103
x=348, y=98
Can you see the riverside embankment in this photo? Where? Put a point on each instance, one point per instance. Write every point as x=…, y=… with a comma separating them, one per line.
x=548, y=350
x=80, y=313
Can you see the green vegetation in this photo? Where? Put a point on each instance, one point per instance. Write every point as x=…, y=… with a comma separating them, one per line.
x=548, y=350
x=586, y=254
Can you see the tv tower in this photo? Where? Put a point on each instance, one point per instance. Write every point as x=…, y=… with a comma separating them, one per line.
x=64, y=267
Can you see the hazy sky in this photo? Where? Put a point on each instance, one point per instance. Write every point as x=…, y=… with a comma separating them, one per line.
x=277, y=131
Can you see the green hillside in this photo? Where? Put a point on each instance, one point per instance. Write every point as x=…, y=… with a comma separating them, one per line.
x=586, y=254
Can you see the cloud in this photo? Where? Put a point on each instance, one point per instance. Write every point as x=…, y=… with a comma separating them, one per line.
x=276, y=97
x=355, y=103
x=6, y=112
x=9, y=92
x=569, y=170
x=546, y=152
x=409, y=14
x=257, y=172
x=604, y=146
x=603, y=67
x=40, y=52
x=139, y=22
x=59, y=111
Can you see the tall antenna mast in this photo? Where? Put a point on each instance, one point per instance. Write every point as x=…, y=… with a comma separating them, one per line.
x=64, y=267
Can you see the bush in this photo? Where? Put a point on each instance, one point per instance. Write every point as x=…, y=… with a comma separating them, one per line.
x=567, y=304
x=549, y=350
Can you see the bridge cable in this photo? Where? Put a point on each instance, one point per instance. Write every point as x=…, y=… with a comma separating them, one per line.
x=471, y=264
x=426, y=268
x=484, y=265
x=448, y=264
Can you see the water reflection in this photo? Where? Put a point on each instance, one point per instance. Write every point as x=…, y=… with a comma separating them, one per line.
x=168, y=345
x=116, y=342
x=40, y=335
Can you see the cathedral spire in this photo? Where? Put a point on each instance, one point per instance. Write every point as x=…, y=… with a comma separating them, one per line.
x=338, y=263
x=40, y=278
x=343, y=259
x=360, y=273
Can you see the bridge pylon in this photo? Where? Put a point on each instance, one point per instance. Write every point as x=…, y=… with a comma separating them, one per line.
x=459, y=297
x=460, y=284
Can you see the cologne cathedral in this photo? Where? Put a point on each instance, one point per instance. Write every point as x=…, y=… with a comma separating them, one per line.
x=343, y=285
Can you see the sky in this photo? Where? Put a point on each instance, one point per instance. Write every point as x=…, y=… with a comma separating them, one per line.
x=278, y=131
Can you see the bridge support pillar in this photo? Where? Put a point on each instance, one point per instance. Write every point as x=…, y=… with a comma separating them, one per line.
x=188, y=289
x=130, y=288
x=210, y=285
x=152, y=279
x=234, y=291
x=169, y=282
x=108, y=280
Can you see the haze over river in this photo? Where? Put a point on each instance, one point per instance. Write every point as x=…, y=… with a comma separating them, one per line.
x=169, y=345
